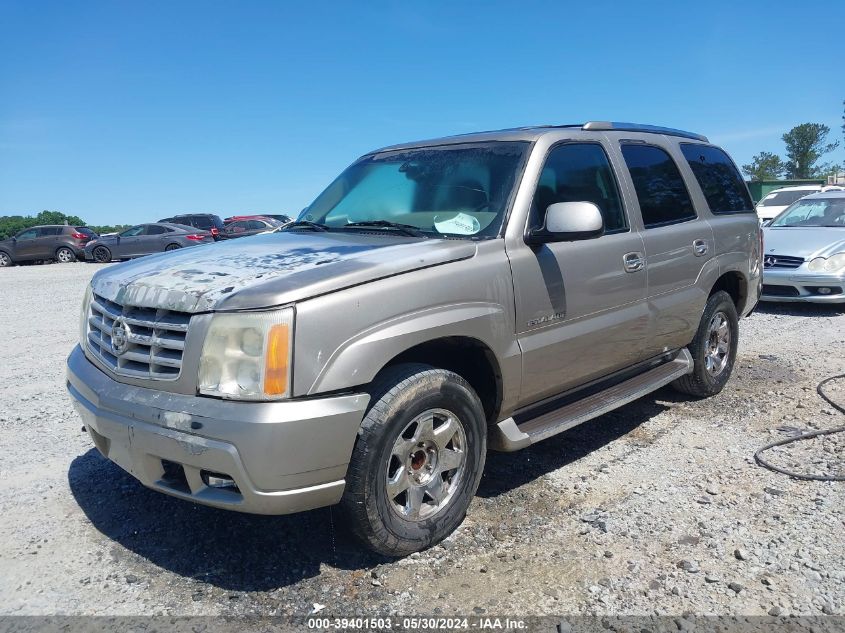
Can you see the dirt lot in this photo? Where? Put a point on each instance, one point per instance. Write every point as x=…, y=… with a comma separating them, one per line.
x=655, y=508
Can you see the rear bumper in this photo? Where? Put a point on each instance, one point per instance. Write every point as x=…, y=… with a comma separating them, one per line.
x=271, y=458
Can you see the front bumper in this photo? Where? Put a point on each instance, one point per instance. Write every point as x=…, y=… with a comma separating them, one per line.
x=280, y=457
x=793, y=287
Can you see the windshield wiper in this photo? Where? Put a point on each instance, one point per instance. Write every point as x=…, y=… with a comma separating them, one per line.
x=405, y=229
x=303, y=224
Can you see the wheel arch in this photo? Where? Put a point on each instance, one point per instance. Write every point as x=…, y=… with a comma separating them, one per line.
x=735, y=284
x=465, y=338
x=466, y=356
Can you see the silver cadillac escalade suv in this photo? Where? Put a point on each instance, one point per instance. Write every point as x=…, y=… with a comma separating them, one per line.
x=438, y=299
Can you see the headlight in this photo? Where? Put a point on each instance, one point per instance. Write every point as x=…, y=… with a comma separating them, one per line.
x=246, y=355
x=835, y=263
x=827, y=265
x=83, y=317
x=817, y=265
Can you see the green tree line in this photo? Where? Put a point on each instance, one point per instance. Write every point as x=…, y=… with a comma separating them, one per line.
x=12, y=224
x=806, y=144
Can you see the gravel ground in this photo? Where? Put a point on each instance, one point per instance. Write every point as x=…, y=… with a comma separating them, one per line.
x=657, y=508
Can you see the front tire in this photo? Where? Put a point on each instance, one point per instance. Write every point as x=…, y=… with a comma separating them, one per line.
x=713, y=349
x=417, y=462
x=102, y=255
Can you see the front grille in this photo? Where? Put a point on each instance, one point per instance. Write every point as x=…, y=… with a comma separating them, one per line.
x=772, y=290
x=149, y=345
x=782, y=261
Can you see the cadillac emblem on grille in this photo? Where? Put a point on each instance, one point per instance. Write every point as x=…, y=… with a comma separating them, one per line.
x=120, y=333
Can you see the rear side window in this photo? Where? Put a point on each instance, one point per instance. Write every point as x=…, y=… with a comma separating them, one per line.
x=660, y=188
x=46, y=231
x=201, y=222
x=720, y=182
x=155, y=229
x=579, y=172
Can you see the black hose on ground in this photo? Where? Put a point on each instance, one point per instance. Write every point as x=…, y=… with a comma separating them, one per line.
x=806, y=436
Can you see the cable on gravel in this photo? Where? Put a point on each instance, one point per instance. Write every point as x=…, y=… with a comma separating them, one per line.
x=806, y=436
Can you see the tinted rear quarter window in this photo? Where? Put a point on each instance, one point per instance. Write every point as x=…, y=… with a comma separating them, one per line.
x=660, y=188
x=154, y=229
x=721, y=184
x=84, y=230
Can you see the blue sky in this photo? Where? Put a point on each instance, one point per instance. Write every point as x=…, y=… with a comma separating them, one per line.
x=124, y=112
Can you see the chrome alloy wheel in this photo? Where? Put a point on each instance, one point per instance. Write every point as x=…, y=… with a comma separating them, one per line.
x=718, y=344
x=65, y=256
x=426, y=465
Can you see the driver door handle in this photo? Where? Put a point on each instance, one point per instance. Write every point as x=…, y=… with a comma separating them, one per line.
x=633, y=262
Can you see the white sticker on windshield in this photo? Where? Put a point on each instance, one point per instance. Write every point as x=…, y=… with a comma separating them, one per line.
x=460, y=224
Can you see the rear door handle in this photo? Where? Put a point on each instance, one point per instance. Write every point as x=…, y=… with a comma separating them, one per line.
x=699, y=247
x=632, y=262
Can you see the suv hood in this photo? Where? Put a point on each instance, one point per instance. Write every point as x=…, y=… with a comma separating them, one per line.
x=803, y=242
x=269, y=270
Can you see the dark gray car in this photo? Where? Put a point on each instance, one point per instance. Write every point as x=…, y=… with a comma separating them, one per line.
x=144, y=239
x=64, y=244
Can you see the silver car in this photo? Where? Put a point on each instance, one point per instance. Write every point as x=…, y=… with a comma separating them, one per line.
x=438, y=298
x=145, y=239
x=804, y=251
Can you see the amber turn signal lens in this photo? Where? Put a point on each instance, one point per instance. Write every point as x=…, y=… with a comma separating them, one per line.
x=276, y=367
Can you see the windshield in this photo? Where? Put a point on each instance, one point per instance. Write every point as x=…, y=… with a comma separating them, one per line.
x=453, y=190
x=817, y=212
x=784, y=198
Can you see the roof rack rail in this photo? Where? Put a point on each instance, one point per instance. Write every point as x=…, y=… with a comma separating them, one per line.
x=639, y=127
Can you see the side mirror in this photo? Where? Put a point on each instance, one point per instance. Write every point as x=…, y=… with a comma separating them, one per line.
x=569, y=221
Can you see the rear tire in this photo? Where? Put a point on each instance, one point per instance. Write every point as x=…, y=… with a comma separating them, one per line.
x=417, y=462
x=65, y=255
x=713, y=349
x=171, y=247
x=5, y=260
x=102, y=255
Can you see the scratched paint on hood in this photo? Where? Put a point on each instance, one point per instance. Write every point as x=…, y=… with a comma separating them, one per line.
x=291, y=264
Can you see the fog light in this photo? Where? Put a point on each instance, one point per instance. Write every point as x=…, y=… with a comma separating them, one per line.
x=218, y=480
x=824, y=291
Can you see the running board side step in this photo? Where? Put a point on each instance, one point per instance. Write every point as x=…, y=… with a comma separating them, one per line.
x=509, y=436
